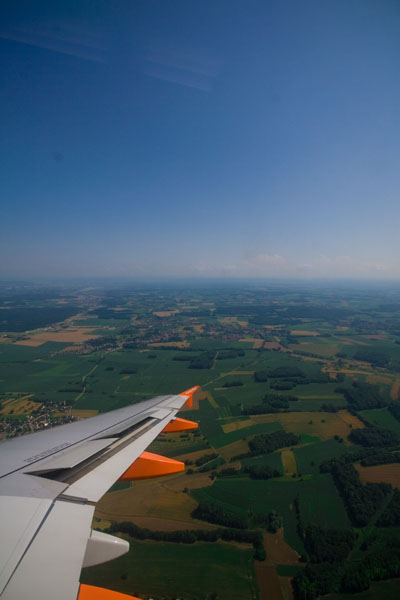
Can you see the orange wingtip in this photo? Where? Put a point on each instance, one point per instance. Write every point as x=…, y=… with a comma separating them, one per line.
x=92, y=592
x=190, y=393
x=152, y=465
x=178, y=424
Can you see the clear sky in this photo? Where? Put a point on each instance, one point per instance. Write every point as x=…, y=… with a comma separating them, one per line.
x=200, y=137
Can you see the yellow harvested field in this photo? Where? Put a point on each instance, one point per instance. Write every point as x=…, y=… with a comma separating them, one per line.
x=69, y=335
x=83, y=413
x=182, y=344
x=310, y=423
x=350, y=419
x=377, y=336
x=381, y=473
x=304, y=332
x=237, y=425
x=289, y=462
x=341, y=328
x=20, y=406
x=150, y=498
x=4, y=340
x=165, y=313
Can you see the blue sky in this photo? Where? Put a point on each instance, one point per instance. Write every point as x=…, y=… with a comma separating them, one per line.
x=200, y=138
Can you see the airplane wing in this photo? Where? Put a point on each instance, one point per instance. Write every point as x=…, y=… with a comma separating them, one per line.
x=50, y=482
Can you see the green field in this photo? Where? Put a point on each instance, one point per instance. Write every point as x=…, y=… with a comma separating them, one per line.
x=308, y=458
x=319, y=500
x=247, y=498
x=271, y=460
x=179, y=571
x=383, y=418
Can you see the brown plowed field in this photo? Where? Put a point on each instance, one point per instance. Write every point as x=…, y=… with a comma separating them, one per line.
x=194, y=455
x=381, y=473
x=278, y=551
x=395, y=391
x=268, y=582
x=272, y=346
x=286, y=587
x=230, y=450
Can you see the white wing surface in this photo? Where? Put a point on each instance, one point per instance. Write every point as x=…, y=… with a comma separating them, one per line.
x=50, y=482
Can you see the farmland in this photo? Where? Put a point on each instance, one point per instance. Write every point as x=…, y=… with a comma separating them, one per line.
x=319, y=364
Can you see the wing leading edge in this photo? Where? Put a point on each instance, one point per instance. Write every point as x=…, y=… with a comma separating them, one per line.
x=50, y=482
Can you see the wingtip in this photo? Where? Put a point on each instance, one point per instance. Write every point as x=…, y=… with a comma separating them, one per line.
x=189, y=394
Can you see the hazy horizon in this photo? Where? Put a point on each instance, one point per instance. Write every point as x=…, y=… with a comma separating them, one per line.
x=213, y=140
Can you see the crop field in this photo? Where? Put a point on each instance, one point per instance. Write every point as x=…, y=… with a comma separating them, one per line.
x=223, y=569
x=381, y=473
x=289, y=462
x=240, y=496
x=268, y=581
x=325, y=350
x=317, y=424
x=309, y=457
x=320, y=503
x=383, y=418
x=69, y=335
x=19, y=406
x=149, y=498
x=319, y=500
x=273, y=460
x=278, y=550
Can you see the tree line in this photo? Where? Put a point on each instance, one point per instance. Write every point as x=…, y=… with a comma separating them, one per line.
x=190, y=536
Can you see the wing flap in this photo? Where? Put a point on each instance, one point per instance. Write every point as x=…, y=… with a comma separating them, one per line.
x=72, y=457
